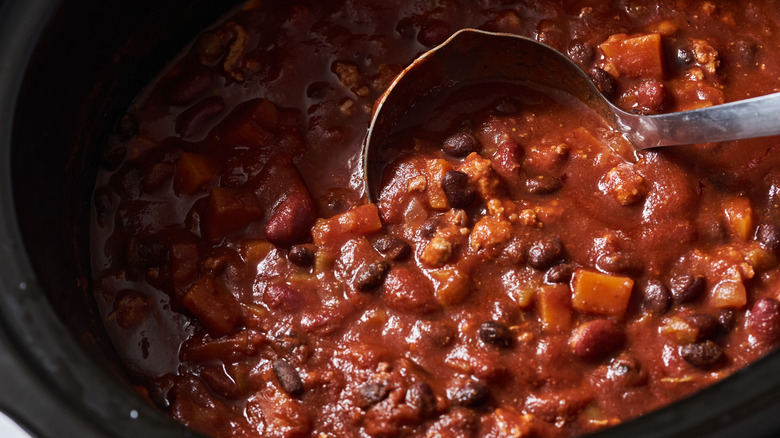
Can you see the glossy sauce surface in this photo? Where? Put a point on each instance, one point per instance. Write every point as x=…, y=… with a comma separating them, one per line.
x=524, y=272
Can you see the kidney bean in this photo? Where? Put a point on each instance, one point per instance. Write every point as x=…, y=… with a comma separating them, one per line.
x=194, y=119
x=768, y=236
x=456, y=187
x=597, y=339
x=604, y=81
x=460, y=145
x=393, y=247
x=496, y=334
x=433, y=32
x=507, y=162
x=288, y=377
x=471, y=394
x=650, y=96
x=559, y=273
x=221, y=383
x=686, y=287
x=618, y=262
x=188, y=86
x=545, y=252
x=372, y=393
x=701, y=354
x=292, y=220
x=543, y=185
x=706, y=325
x=764, y=320
x=369, y=276
x=656, y=297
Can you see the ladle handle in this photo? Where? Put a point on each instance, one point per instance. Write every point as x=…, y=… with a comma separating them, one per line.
x=749, y=118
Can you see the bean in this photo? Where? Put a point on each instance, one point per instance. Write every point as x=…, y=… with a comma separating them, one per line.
x=420, y=396
x=508, y=159
x=768, y=236
x=456, y=187
x=460, y=145
x=604, y=81
x=597, y=339
x=657, y=297
x=515, y=251
x=545, y=252
x=292, y=220
x=471, y=394
x=706, y=325
x=559, y=273
x=650, y=96
x=429, y=227
x=543, y=185
x=684, y=56
x=627, y=372
x=701, y=354
x=726, y=320
x=580, y=51
x=686, y=287
x=288, y=377
x=372, y=393
x=496, y=334
x=301, y=255
x=195, y=118
x=392, y=247
x=369, y=276
x=618, y=262
x=764, y=320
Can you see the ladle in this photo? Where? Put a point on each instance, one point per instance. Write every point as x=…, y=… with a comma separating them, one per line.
x=473, y=56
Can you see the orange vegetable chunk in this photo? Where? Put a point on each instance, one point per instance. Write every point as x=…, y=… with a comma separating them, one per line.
x=213, y=305
x=229, y=210
x=635, y=56
x=599, y=293
x=435, y=170
x=359, y=221
x=739, y=216
x=193, y=172
x=729, y=292
x=555, y=307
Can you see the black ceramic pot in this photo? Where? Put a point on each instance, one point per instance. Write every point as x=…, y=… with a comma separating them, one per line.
x=68, y=70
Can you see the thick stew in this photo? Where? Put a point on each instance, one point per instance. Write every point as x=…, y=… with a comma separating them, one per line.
x=523, y=273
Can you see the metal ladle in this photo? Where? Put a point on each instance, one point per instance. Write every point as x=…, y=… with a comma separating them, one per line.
x=473, y=56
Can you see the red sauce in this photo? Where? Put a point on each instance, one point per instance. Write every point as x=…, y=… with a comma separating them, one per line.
x=524, y=272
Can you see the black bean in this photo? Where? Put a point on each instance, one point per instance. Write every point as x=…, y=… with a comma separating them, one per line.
x=545, y=252
x=626, y=371
x=371, y=275
x=515, y=251
x=471, y=394
x=686, y=287
x=460, y=145
x=429, y=227
x=706, y=325
x=604, y=81
x=288, y=377
x=301, y=255
x=657, y=297
x=768, y=236
x=684, y=56
x=456, y=187
x=543, y=185
x=496, y=334
x=580, y=51
x=701, y=354
x=559, y=273
x=392, y=247
x=726, y=320
x=421, y=397
x=372, y=393
x=764, y=320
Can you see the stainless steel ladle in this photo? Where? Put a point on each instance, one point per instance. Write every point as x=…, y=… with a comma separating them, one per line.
x=472, y=56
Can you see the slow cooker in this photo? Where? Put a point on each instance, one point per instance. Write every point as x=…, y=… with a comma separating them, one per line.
x=68, y=70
